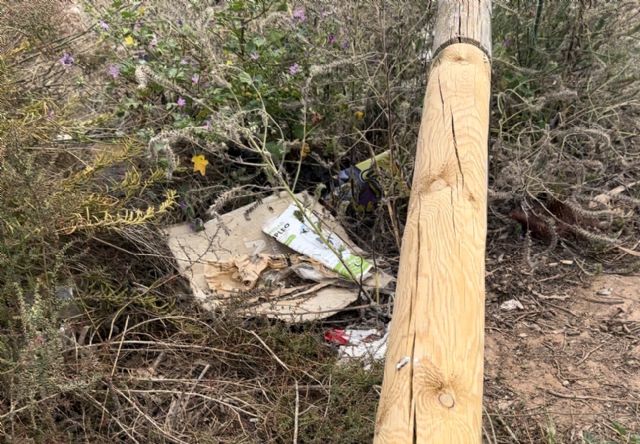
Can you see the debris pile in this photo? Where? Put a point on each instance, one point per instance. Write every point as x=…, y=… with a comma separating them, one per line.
x=280, y=258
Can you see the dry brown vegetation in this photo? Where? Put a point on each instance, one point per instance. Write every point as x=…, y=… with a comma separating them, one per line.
x=131, y=358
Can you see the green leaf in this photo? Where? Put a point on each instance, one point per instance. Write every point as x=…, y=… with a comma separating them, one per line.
x=259, y=41
x=298, y=131
x=276, y=150
x=127, y=15
x=245, y=78
x=622, y=431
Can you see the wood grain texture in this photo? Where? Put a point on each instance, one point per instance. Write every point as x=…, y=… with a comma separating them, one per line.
x=432, y=390
x=463, y=21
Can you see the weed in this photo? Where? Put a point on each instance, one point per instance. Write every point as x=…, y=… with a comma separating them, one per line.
x=101, y=341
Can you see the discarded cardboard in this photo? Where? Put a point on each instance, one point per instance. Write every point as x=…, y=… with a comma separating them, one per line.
x=231, y=256
x=304, y=233
x=267, y=274
x=240, y=273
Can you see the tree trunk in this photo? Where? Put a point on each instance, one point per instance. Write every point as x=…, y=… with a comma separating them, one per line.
x=432, y=390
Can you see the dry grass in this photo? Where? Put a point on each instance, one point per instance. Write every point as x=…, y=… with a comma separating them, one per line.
x=131, y=359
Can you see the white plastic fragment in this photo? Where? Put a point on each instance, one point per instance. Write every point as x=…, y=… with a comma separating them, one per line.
x=364, y=345
x=511, y=304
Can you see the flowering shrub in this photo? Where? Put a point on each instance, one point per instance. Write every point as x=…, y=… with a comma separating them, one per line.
x=295, y=76
x=250, y=51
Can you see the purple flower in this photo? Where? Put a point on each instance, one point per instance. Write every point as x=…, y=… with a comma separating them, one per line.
x=345, y=44
x=294, y=69
x=104, y=25
x=331, y=39
x=114, y=71
x=184, y=62
x=207, y=124
x=254, y=56
x=181, y=102
x=195, y=79
x=299, y=14
x=66, y=60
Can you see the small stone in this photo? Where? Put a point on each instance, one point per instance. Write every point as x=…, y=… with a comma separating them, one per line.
x=504, y=404
x=566, y=262
x=565, y=383
x=605, y=292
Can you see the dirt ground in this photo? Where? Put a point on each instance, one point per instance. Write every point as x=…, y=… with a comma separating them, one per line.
x=567, y=363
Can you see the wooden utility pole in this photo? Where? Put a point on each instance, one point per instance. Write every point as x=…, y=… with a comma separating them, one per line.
x=432, y=390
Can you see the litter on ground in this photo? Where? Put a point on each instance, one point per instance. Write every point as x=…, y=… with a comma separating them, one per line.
x=367, y=346
x=511, y=304
x=232, y=260
x=302, y=231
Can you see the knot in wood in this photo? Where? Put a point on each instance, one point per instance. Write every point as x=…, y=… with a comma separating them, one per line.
x=447, y=400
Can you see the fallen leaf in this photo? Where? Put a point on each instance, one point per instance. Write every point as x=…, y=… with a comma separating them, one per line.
x=305, y=151
x=200, y=164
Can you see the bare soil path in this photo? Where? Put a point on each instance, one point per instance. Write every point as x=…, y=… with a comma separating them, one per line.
x=570, y=364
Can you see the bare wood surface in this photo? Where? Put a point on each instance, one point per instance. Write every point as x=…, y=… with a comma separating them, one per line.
x=463, y=21
x=432, y=390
